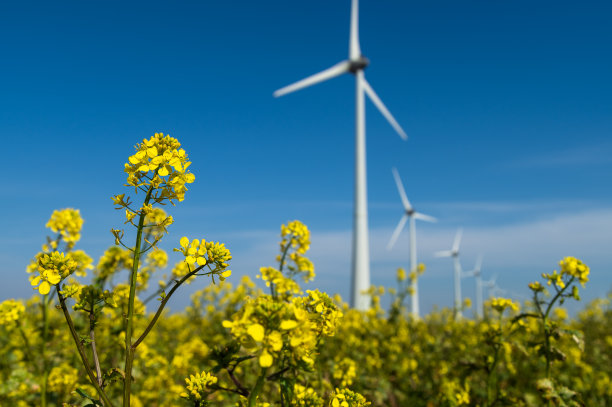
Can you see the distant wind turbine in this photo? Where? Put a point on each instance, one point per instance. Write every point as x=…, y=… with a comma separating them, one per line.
x=412, y=215
x=360, y=277
x=454, y=253
x=492, y=287
x=476, y=273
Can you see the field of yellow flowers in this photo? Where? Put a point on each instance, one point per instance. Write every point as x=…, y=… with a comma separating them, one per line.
x=77, y=344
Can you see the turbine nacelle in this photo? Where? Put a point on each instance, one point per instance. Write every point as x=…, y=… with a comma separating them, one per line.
x=358, y=64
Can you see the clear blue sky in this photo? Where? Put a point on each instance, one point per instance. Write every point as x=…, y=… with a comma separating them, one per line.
x=507, y=105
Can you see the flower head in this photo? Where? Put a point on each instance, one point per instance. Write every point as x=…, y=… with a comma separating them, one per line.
x=161, y=163
x=68, y=223
x=53, y=267
x=10, y=310
x=197, y=386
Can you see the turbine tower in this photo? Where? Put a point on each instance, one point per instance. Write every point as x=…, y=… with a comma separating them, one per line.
x=360, y=277
x=454, y=253
x=476, y=273
x=412, y=215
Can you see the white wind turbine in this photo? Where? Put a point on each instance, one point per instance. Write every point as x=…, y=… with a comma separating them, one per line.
x=492, y=287
x=360, y=278
x=412, y=215
x=476, y=273
x=454, y=253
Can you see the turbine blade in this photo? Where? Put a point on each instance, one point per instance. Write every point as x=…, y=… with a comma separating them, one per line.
x=457, y=241
x=424, y=217
x=400, y=189
x=332, y=72
x=443, y=253
x=354, y=50
x=397, y=231
x=381, y=106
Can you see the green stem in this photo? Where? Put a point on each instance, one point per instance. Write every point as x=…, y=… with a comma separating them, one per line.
x=92, y=337
x=491, y=377
x=161, y=307
x=129, y=350
x=545, y=326
x=257, y=389
x=81, y=351
x=282, y=260
x=45, y=334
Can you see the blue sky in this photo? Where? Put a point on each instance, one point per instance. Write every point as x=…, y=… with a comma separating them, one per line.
x=507, y=106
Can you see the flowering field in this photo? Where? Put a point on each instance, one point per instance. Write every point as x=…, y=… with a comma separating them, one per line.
x=90, y=345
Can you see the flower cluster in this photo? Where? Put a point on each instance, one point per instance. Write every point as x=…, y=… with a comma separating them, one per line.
x=347, y=398
x=53, y=268
x=500, y=304
x=323, y=311
x=68, y=223
x=282, y=284
x=297, y=234
x=270, y=327
x=574, y=267
x=306, y=397
x=156, y=222
x=571, y=268
x=159, y=162
x=10, y=311
x=113, y=260
x=197, y=386
x=199, y=253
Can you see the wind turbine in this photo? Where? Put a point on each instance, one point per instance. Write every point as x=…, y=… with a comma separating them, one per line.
x=492, y=287
x=409, y=213
x=478, y=277
x=360, y=277
x=454, y=253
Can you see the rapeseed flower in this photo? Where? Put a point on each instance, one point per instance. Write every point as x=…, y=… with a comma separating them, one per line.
x=160, y=163
x=53, y=268
x=68, y=223
x=10, y=311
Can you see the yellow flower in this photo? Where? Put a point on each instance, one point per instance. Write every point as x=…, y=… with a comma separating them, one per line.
x=265, y=359
x=256, y=331
x=53, y=268
x=197, y=384
x=162, y=156
x=68, y=223
x=10, y=310
x=576, y=268
x=500, y=304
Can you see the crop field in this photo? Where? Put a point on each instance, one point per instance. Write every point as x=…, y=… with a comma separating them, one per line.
x=77, y=344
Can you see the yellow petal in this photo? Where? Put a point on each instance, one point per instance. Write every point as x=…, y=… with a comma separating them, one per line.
x=257, y=332
x=54, y=278
x=163, y=171
x=265, y=360
x=226, y=273
x=44, y=288
x=184, y=241
x=152, y=152
x=288, y=324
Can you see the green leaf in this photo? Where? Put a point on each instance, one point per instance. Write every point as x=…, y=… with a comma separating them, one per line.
x=94, y=402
